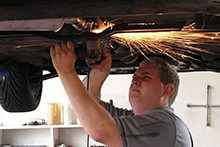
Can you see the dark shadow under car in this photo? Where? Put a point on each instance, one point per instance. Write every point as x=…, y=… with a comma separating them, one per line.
x=186, y=33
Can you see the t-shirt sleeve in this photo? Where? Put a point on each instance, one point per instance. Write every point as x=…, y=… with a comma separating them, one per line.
x=117, y=112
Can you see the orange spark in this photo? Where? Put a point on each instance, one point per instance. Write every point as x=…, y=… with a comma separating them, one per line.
x=167, y=43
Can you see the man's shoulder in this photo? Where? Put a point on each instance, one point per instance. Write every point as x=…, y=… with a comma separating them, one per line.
x=117, y=112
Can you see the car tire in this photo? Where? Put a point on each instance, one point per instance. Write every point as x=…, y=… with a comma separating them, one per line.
x=17, y=94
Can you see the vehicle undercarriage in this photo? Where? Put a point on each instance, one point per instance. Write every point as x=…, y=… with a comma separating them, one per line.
x=186, y=33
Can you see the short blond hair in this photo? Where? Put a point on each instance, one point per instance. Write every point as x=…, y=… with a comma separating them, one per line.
x=167, y=75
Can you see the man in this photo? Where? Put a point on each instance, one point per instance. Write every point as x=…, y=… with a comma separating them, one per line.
x=152, y=91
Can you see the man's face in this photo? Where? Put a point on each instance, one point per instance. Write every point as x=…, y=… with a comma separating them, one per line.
x=146, y=88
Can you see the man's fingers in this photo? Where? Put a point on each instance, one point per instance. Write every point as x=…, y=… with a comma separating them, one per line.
x=55, y=49
x=70, y=46
x=63, y=47
x=105, y=50
x=52, y=51
x=59, y=47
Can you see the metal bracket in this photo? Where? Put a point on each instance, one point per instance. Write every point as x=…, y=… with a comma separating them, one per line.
x=207, y=105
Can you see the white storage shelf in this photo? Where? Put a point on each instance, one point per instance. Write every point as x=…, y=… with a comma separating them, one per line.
x=73, y=135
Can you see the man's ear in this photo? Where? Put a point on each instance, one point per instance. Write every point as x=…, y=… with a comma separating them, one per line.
x=169, y=88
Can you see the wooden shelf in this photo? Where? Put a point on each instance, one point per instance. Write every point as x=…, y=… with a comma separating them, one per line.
x=39, y=127
x=73, y=135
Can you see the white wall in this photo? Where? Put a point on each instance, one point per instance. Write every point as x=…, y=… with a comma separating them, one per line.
x=192, y=90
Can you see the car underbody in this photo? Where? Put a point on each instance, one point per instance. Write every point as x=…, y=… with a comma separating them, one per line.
x=186, y=33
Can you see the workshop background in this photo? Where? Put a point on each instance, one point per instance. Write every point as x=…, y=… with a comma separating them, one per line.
x=192, y=91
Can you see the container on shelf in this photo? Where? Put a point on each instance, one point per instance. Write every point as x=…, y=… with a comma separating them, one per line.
x=53, y=113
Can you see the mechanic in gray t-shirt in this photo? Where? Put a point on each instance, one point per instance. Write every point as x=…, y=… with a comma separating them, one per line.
x=153, y=89
x=155, y=128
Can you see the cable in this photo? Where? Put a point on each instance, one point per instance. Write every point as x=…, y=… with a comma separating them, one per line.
x=87, y=87
x=88, y=77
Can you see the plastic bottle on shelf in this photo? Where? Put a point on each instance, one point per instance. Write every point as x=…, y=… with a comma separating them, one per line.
x=67, y=114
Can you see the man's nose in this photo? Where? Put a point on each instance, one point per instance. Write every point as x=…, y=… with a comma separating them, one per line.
x=135, y=81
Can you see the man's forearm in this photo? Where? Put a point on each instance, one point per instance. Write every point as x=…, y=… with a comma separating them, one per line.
x=96, y=81
x=95, y=120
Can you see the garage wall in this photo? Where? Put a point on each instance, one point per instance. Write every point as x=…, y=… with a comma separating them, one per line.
x=192, y=90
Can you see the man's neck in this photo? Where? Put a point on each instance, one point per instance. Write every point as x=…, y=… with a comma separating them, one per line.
x=139, y=110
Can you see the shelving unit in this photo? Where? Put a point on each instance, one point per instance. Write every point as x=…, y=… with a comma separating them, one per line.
x=73, y=135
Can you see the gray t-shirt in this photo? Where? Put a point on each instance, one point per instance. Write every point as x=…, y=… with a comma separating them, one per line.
x=155, y=128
